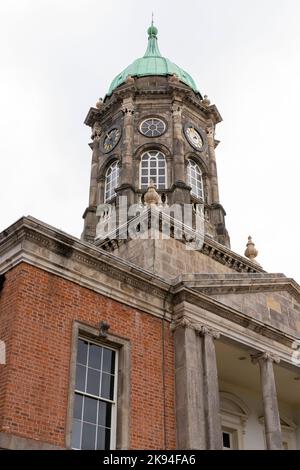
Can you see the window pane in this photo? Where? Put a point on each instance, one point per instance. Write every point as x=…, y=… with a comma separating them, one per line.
x=107, y=386
x=88, y=436
x=90, y=410
x=82, y=351
x=76, y=431
x=153, y=163
x=161, y=163
x=93, y=382
x=108, y=361
x=226, y=440
x=95, y=354
x=104, y=414
x=103, y=438
x=78, y=406
x=80, y=378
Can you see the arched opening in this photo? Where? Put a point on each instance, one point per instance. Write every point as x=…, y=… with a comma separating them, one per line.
x=111, y=180
x=194, y=177
x=153, y=169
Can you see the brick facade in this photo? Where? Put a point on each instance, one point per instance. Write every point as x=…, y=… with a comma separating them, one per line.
x=37, y=311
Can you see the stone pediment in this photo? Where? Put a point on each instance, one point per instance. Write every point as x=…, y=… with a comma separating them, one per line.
x=270, y=298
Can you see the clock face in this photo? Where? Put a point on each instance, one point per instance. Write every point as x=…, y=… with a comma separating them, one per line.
x=111, y=139
x=194, y=137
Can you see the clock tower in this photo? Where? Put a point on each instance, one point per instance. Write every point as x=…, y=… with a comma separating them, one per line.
x=154, y=128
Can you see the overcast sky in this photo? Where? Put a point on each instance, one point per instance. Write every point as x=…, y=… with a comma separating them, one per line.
x=58, y=56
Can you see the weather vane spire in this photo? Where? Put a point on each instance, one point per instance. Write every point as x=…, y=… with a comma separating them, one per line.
x=152, y=19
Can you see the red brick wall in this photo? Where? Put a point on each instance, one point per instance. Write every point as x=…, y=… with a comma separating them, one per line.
x=37, y=310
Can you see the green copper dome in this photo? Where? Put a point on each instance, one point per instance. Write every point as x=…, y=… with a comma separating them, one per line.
x=152, y=64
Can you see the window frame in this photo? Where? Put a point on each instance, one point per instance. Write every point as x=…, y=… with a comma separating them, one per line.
x=113, y=402
x=112, y=193
x=148, y=176
x=152, y=118
x=191, y=162
x=120, y=434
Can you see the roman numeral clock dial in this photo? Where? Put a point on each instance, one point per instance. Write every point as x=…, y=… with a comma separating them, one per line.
x=111, y=139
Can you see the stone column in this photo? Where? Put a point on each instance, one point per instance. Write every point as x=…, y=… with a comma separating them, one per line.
x=126, y=174
x=181, y=191
x=211, y=389
x=269, y=396
x=90, y=219
x=190, y=417
x=212, y=165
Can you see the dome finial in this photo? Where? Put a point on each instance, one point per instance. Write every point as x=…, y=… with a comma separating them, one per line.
x=152, y=30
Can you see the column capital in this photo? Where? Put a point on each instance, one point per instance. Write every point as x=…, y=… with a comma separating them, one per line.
x=202, y=330
x=181, y=322
x=176, y=108
x=96, y=131
x=265, y=356
x=128, y=106
x=210, y=131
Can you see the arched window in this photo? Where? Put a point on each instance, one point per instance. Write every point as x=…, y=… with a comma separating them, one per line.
x=153, y=168
x=195, y=179
x=111, y=180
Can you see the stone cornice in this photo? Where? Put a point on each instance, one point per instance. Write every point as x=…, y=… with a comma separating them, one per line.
x=215, y=284
x=182, y=294
x=38, y=244
x=31, y=241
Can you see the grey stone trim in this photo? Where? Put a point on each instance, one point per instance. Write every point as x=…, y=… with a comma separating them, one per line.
x=31, y=241
x=38, y=244
x=14, y=442
x=239, y=283
x=182, y=294
x=124, y=372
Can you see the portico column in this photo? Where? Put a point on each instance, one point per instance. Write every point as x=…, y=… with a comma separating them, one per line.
x=269, y=396
x=211, y=389
x=190, y=417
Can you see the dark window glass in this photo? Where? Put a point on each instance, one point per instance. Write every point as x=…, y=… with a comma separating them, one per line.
x=108, y=361
x=80, y=378
x=103, y=438
x=226, y=440
x=78, y=406
x=95, y=354
x=107, y=386
x=90, y=410
x=88, y=436
x=93, y=382
x=104, y=414
x=92, y=417
x=82, y=351
x=76, y=431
